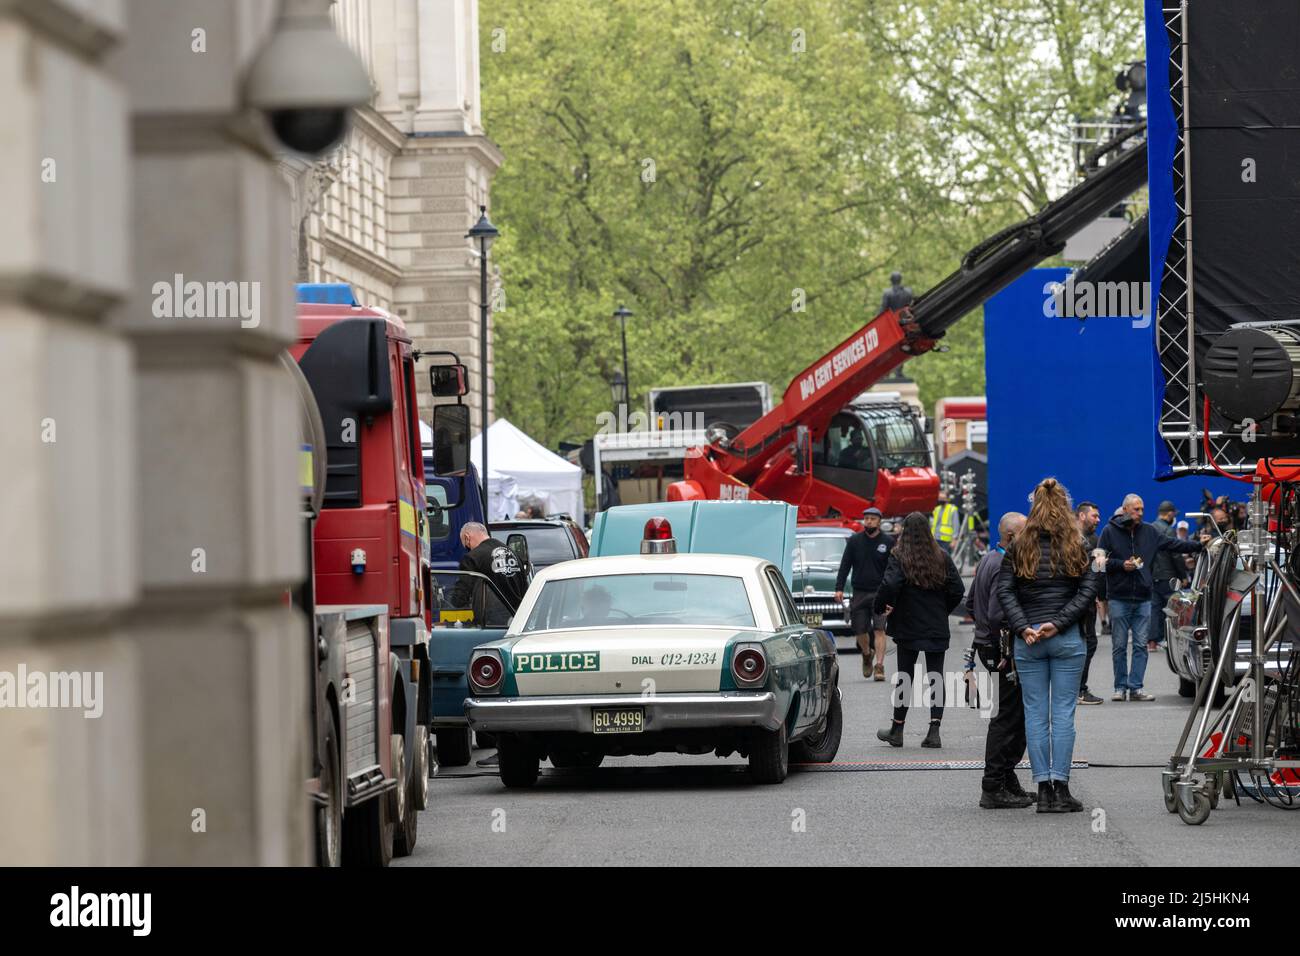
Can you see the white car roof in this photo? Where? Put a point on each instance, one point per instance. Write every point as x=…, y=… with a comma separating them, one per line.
x=728, y=564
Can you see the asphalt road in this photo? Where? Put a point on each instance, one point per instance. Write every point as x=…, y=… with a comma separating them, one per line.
x=684, y=810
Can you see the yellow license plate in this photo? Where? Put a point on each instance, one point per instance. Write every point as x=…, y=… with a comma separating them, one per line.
x=617, y=720
x=812, y=619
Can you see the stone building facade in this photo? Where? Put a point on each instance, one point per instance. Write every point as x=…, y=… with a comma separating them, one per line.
x=388, y=212
x=150, y=500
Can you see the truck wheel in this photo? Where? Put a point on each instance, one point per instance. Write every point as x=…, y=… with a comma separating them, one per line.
x=769, y=755
x=1186, y=688
x=406, y=817
x=329, y=818
x=368, y=834
x=453, y=746
x=823, y=746
x=518, y=762
x=420, y=773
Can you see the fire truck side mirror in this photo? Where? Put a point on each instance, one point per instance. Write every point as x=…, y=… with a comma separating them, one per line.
x=448, y=381
x=451, y=440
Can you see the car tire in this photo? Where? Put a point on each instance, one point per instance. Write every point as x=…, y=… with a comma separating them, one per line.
x=822, y=747
x=329, y=818
x=1186, y=688
x=769, y=755
x=368, y=834
x=518, y=762
x=576, y=760
x=453, y=746
x=406, y=817
x=420, y=773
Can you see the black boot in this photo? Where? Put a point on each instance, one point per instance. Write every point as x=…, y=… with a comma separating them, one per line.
x=932, y=738
x=1046, y=794
x=893, y=736
x=1064, y=802
x=1004, y=799
x=1013, y=786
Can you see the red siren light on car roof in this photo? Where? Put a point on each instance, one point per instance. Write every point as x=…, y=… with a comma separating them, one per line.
x=658, y=537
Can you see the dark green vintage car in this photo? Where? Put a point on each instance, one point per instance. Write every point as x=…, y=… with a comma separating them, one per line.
x=816, y=562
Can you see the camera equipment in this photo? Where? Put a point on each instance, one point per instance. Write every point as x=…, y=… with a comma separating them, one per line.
x=1250, y=607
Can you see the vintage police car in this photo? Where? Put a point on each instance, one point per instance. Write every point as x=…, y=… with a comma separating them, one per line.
x=657, y=652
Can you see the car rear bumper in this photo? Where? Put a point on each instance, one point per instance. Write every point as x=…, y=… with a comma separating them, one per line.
x=663, y=712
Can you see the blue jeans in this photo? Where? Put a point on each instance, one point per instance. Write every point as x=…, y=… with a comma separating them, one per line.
x=1129, y=620
x=1049, y=679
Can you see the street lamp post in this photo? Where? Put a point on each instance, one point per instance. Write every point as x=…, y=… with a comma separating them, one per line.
x=623, y=313
x=484, y=232
x=618, y=390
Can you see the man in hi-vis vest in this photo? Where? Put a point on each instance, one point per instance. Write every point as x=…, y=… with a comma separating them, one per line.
x=943, y=522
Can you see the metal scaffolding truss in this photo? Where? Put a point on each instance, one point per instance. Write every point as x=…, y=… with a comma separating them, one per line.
x=1180, y=424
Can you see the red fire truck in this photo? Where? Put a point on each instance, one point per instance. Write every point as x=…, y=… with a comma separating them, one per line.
x=368, y=593
x=830, y=449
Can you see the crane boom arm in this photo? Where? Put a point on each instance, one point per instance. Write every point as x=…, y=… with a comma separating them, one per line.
x=868, y=354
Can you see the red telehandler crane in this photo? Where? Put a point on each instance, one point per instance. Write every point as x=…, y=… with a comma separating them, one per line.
x=833, y=452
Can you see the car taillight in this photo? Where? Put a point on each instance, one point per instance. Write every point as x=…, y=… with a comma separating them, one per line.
x=749, y=665
x=485, y=671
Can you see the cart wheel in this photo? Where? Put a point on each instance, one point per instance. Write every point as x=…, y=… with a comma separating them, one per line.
x=1171, y=802
x=1214, y=784
x=1200, y=811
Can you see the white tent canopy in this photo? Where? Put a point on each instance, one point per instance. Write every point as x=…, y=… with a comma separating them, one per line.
x=541, y=476
x=503, y=490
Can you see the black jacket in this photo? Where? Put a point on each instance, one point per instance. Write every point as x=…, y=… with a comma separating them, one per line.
x=866, y=557
x=920, y=616
x=1090, y=542
x=498, y=562
x=1123, y=541
x=982, y=599
x=1166, y=565
x=1047, y=597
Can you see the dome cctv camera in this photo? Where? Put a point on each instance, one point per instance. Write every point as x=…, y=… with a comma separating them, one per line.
x=305, y=79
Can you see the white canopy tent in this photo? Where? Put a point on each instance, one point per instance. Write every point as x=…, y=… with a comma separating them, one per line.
x=503, y=501
x=541, y=476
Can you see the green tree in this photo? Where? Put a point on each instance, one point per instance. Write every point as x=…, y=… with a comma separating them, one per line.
x=713, y=164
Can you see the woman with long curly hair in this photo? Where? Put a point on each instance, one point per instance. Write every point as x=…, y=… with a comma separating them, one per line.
x=1045, y=586
x=918, y=591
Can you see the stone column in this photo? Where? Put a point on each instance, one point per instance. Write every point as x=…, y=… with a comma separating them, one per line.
x=222, y=673
x=150, y=504
x=71, y=789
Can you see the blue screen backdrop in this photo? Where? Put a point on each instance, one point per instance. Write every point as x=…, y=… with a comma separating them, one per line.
x=1072, y=399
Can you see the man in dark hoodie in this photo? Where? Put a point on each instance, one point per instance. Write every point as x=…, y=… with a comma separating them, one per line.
x=1005, y=744
x=1131, y=546
x=496, y=561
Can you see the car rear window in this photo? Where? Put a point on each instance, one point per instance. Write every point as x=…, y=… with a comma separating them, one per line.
x=548, y=545
x=642, y=599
